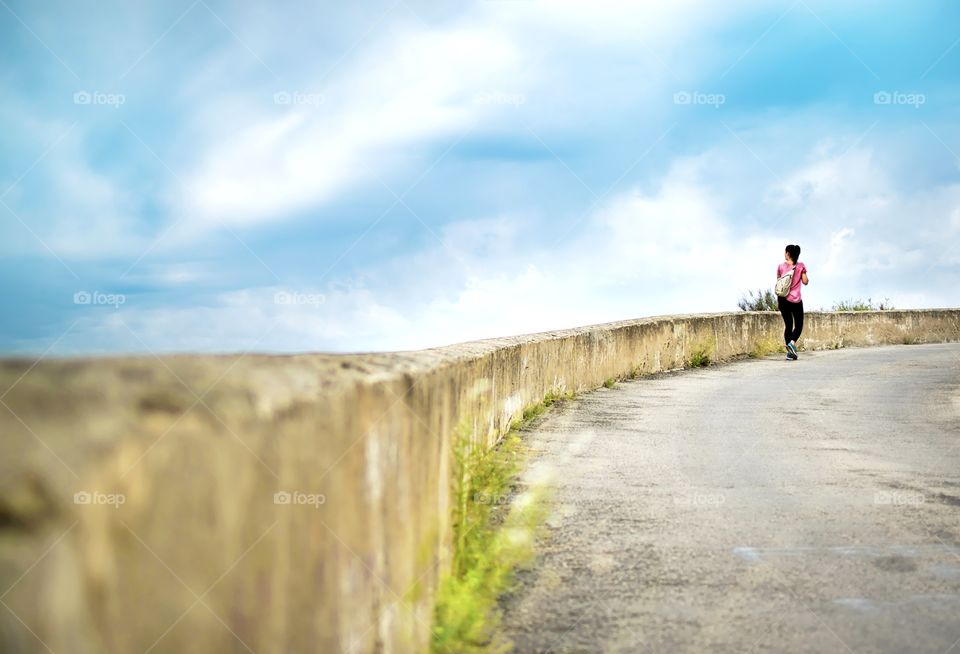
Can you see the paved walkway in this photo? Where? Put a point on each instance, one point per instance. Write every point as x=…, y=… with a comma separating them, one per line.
x=760, y=506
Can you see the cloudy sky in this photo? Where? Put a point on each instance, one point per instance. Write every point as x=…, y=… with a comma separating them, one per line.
x=196, y=175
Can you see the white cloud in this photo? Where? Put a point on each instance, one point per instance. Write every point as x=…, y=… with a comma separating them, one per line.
x=419, y=86
x=837, y=254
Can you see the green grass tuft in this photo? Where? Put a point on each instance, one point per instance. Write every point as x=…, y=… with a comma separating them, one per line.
x=761, y=300
x=492, y=537
x=861, y=305
x=536, y=410
x=699, y=358
x=610, y=383
x=764, y=347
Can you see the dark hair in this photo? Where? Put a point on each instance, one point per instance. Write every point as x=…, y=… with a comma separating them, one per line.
x=794, y=252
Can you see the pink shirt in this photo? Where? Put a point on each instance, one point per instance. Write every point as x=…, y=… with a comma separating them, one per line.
x=794, y=294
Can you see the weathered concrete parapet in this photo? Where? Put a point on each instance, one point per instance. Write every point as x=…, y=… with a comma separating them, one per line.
x=290, y=503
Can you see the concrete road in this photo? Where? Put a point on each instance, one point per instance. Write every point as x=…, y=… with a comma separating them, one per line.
x=760, y=506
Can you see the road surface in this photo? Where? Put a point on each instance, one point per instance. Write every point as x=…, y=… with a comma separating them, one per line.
x=760, y=506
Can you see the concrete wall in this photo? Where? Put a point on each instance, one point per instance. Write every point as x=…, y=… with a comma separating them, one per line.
x=137, y=495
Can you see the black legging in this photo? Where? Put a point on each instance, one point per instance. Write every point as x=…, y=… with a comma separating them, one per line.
x=792, y=313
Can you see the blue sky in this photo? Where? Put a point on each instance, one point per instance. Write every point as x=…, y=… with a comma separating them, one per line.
x=214, y=176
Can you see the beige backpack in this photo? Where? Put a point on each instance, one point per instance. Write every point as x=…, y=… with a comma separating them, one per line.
x=785, y=283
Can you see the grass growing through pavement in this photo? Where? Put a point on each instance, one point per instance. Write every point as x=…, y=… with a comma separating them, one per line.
x=492, y=537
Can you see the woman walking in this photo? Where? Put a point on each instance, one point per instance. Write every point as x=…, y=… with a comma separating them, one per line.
x=788, y=297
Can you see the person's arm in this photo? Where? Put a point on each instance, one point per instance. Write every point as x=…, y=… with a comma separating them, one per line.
x=803, y=276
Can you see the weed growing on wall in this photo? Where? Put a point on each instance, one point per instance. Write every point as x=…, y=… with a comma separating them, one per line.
x=534, y=411
x=700, y=355
x=764, y=346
